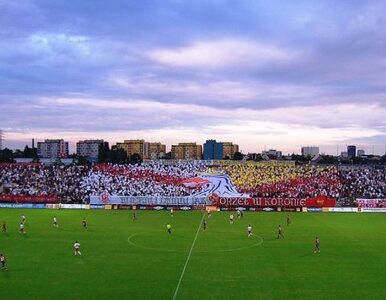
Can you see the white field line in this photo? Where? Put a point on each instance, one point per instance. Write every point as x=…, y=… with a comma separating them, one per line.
x=188, y=258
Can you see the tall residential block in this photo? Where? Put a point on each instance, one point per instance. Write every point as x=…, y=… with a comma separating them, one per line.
x=156, y=150
x=351, y=151
x=310, y=151
x=229, y=149
x=213, y=150
x=53, y=148
x=145, y=149
x=89, y=148
x=186, y=151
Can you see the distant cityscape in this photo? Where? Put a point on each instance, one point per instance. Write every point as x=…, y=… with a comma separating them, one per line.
x=98, y=150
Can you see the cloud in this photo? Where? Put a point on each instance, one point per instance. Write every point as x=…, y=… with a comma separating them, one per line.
x=117, y=114
x=125, y=118
x=228, y=93
x=274, y=72
x=222, y=53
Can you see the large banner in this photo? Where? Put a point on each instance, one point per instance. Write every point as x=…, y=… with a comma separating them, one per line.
x=320, y=201
x=148, y=200
x=213, y=200
x=259, y=202
x=28, y=199
x=371, y=203
x=23, y=164
x=213, y=189
x=273, y=202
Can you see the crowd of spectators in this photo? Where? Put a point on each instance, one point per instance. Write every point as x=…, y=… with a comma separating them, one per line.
x=285, y=181
x=36, y=180
x=373, y=203
x=74, y=184
x=364, y=183
x=141, y=180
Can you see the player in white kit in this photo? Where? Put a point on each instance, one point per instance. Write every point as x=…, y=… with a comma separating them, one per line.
x=55, y=222
x=249, y=230
x=77, y=248
x=231, y=218
x=21, y=228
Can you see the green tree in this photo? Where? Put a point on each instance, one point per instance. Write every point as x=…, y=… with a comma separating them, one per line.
x=104, y=153
x=135, y=159
x=18, y=153
x=259, y=157
x=118, y=156
x=30, y=152
x=328, y=159
x=6, y=156
x=238, y=156
x=82, y=161
x=168, y=155
x=300, y=158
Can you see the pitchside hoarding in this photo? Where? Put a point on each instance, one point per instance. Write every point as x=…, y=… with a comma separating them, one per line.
x=21, y=205
x=259, y=202
x=148, y=200
x=212, y=200
x=320, y=201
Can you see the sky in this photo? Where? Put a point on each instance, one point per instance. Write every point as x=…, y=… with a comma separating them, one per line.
x=262, y=74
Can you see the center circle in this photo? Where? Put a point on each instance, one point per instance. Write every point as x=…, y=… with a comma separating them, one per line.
x=131, y=241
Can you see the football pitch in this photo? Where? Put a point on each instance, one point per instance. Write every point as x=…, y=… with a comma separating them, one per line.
x=126, y=259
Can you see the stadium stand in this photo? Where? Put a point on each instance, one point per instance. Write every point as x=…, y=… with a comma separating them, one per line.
x=74, y=184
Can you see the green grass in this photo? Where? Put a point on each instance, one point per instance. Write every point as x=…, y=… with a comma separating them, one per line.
x=351, y=265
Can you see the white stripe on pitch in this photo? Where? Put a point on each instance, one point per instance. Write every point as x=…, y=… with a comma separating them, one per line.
x=188, y=258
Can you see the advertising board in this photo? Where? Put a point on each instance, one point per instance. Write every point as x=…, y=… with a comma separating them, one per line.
x=343, y=209
x=314, y=209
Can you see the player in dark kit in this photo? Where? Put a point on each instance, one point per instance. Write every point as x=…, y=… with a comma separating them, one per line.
x=280, y=232
x=4, y=227
x=169, y=228
x=288, y=220
x=134, y=216
x=204, y=224
x=317, y=245
x=2, y=262
x=84, y=223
